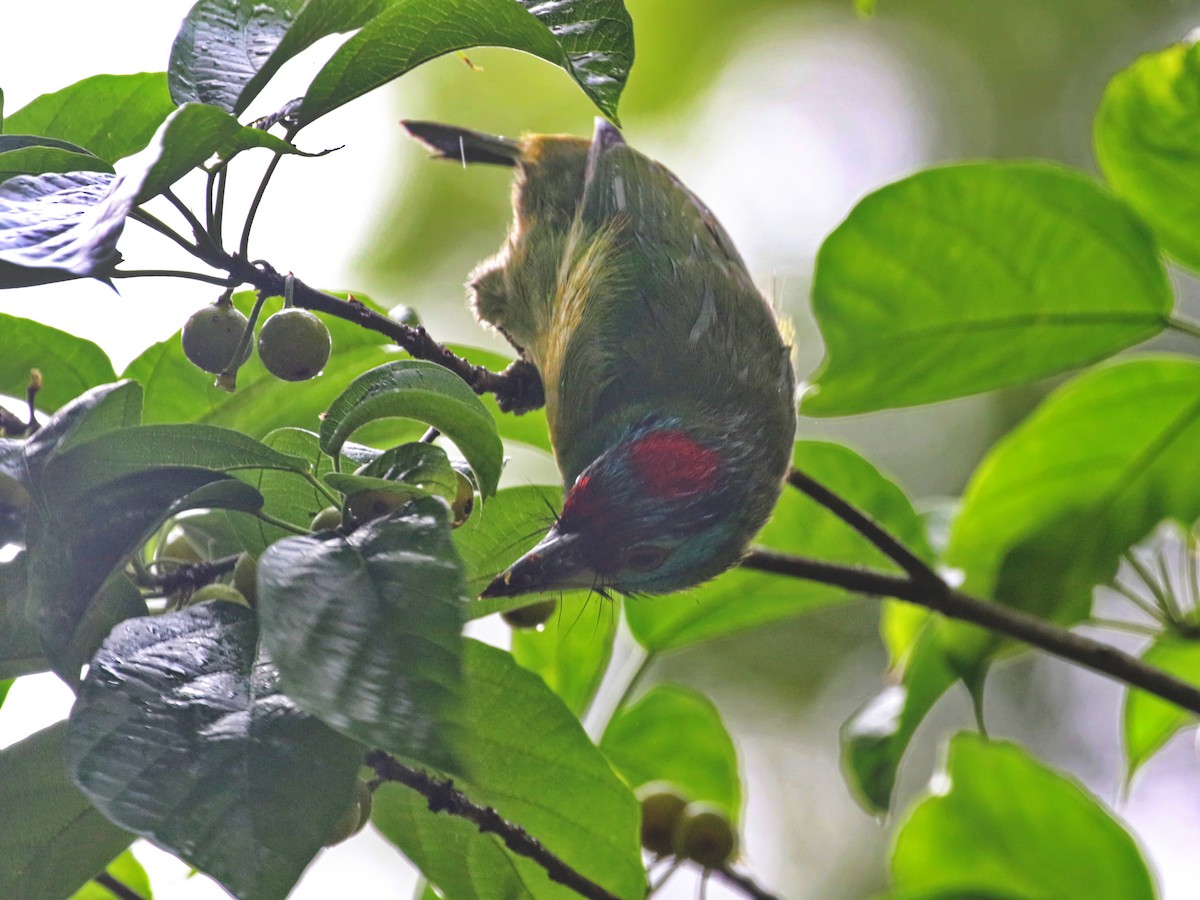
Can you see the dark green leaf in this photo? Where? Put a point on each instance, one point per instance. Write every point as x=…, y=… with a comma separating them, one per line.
x=181, y=735
x=111, y=115
x=591, y=39
x=1146, y=143
x=20, y=643
x=743, y=599
x=125, y=869
x=1047, y=515
x=226, y=51
x=1149, y=722
x=973, y=277
x=498, y=533
x=423, y=465
x=54, y=840
x=675, y=734
x=366, y=628
x=420, y=390
x=571, y=651
x=69, y=364
x=25, y=155
x=60, y=225
x=1001, y=823
x=530, y=759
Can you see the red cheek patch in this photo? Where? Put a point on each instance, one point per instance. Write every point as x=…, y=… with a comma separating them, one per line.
x=671, y=464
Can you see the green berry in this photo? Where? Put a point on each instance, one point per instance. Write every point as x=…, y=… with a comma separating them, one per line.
x=212, y=336
x=705, y=835
x=367, y=505
x=225, y=592
x=326, y=520
x=355, y=818
x=530, y=616
x=662, y=805
x=245, y=576
x=405, y=315
x=464, y=499
x=178, y=548
x=294, y=345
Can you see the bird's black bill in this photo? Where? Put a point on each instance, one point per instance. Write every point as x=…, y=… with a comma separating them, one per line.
x=554, y=564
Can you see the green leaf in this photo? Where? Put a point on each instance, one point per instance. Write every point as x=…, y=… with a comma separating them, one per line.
x=528, y=428
x=20, y=643
x=24, y=155
x=1146, y=136
x=571, y=651
x=875, y=738
x=366, y=628
x=675, y=734
x=743, y=598
x=416, y=463
x=60, y=225
x=127, y=870
x=101, y=409
x=1149, y=722
x=226, y=51
x=591, y=39
x=111, y=115
x=54, y=839
x=181, y=735
x=978, y=276
x=69, y=364
x=529, y=759
x=1092, y=471
x=498, y=534
x=424, y=391
x=1001, y=823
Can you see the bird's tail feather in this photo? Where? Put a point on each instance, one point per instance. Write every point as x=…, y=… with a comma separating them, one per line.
x=463, y=145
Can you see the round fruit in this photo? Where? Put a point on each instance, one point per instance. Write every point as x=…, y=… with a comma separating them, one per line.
x=294, y=344
x=530, y=616
x=355, y=818
x=327, y=519
x=211, y=337
x=178, y=548
x=367, y=505
x=245, y=576
x=662, y=805
x=704, y=835
x=225, y=592
x=405, y=315
x=464, y=499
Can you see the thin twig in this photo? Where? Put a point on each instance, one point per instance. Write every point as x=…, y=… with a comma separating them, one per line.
x=443, y=796
x=152, y=221
x=1004, y=620
x=173, y=273
x=117, y=888
x=201, y=234
x=745, y=883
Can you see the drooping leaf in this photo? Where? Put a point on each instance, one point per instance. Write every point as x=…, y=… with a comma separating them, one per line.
x=529, y=759
x=54, y=839
x=20, y=643
x=422, y=465
x=1092, y=471
x=571, y=651
x=181, y=735
x=110, y=115
x=1003, y=824
x=1149, y=722
x=69, y=364
x=675, y=734
x=591, y=39
x=424, y=391
x=528, y=428
x=32, y=155
x=226, y=51
x=366, y=628
x=1146, y=143
x=743, y=599
x=973, y=277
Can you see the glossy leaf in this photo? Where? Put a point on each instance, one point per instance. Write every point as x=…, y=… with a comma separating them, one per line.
x=675, y=734
x=111, y=115
x=973, y=277
x=1000, y=823
x=69, y=364
x=530, y=759
x=60, y=225
x=54, y=839
x=420, y=390
x=181, y=735
x=366, y=628
x=1149, y=722
x=743, y=599
x=571, y=651
x=1104, y=459
x=1146, y=136
x=591, y=39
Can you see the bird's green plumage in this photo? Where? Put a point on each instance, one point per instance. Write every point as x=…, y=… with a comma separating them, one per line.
x=629, y=297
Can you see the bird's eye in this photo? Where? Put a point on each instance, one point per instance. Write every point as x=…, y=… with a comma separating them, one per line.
x=644, y=558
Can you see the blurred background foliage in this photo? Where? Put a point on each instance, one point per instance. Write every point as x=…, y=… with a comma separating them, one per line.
x=781, y=115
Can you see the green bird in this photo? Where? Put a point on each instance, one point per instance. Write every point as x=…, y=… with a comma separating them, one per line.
x=669, y=388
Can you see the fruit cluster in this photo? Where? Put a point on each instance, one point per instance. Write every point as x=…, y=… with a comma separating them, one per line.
x=293, y=344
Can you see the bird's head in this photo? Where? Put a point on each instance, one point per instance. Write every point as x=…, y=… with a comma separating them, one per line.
x=659, y=511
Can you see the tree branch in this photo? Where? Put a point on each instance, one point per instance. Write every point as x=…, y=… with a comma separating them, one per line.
x=443, y=796
x=1004, y=620
x=744, y=883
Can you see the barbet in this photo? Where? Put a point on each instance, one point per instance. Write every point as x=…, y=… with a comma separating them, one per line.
x=669, y=389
